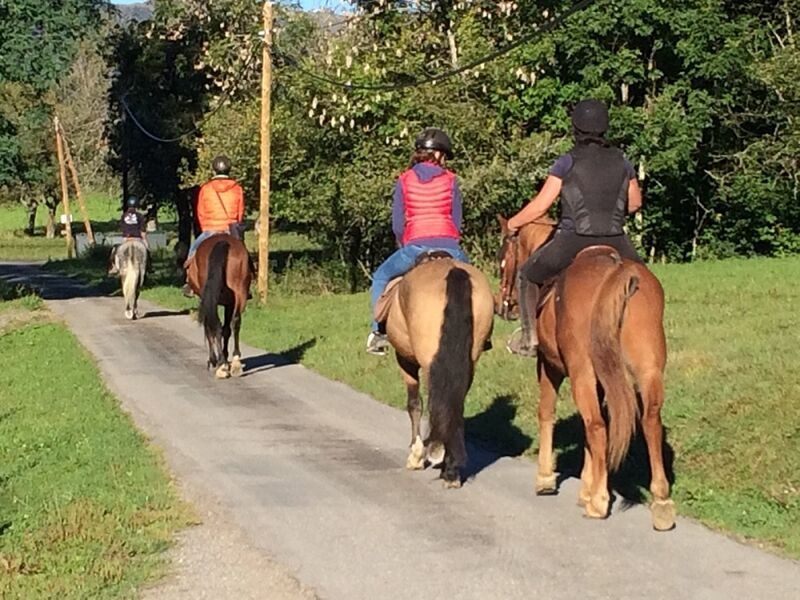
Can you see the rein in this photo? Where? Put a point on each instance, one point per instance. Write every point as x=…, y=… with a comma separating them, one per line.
x=506, y=286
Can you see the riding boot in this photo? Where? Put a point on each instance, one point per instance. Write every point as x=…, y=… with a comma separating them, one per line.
x=528, y=342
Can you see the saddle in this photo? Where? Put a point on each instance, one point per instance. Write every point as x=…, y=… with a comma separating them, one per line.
x=381, y=311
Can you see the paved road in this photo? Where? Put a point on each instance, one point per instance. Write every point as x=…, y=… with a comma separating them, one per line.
x=312, y=472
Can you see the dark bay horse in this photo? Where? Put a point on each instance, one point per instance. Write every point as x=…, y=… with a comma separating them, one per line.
x=220, y=273
x=601, y=326
x=439, y=323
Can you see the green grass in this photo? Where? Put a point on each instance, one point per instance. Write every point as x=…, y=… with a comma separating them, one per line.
x=15, y=245
x=86, y=508
x=733, y=403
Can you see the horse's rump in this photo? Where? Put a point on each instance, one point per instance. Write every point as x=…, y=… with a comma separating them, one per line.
x=390, y=294
x=131, y=252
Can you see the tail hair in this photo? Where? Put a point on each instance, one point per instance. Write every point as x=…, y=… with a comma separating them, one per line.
x=609, y=363
x=209, y=297
x=452, y=367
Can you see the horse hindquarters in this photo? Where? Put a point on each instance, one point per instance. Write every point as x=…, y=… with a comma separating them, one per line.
x=209, y=300
x=450, y=375
x=608, y=361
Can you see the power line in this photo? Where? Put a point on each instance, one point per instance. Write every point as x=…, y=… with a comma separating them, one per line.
x=385, y=87
x=196, y=128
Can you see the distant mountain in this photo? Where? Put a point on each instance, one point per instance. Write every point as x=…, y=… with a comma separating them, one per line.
x=140, y=11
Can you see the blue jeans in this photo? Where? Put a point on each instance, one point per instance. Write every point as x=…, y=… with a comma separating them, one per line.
x=400, y=263
x=199, y=240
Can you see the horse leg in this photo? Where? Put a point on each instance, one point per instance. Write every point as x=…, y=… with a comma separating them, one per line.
x=236, y=363
x=549, y=382
x=584, y=391
x=652, y=392
x=585, y=493
x=416, y=456
x=224, y=369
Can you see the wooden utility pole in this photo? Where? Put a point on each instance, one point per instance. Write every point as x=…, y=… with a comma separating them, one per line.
x=74, y=172
x=64, y=190
x=266, y=113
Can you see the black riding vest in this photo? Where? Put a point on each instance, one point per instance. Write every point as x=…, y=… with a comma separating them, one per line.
x=594, y=194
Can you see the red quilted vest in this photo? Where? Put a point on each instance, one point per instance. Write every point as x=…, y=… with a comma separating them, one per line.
x=428, y=207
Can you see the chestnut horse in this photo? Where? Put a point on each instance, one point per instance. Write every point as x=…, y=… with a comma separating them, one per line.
x=440, y=322
x=601, y=326
x=220, y=273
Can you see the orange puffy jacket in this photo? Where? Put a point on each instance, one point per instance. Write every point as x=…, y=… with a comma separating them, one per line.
x=220, y=204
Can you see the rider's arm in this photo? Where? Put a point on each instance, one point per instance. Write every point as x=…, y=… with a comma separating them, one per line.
x=143, y=228
x=398, y=213
x=539, y=206
x=201, y=212
x=239, y=205
x=634, y=196
x=458, y=208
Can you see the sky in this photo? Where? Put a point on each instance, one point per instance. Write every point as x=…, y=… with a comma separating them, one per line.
x=304, y=3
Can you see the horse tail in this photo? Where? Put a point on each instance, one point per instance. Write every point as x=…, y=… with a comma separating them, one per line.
x=212, y=290
x=609, y=364
x=452, y=368
x=130, y=280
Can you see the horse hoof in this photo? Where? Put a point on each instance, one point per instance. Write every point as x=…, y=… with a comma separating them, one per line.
x=452, y=484
x=546, y=485
x=415, y=463
x=663, y=514
x=222, y=372
x=129, y=315
x=416, y=458
x=236, y=368
x=592, y=511
x=436, y=453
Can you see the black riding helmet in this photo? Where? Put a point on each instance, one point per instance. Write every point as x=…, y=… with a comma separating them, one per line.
x=132, y=202
x=590, y=117
x=434, y=139
x=221, y=165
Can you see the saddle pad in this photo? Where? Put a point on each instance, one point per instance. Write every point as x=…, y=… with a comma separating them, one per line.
x=384, y=303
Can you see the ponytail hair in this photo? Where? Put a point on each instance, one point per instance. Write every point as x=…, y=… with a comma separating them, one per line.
x=584, y=139
x=423, y=155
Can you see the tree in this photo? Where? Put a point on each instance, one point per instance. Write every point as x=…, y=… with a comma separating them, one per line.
x=37, y=45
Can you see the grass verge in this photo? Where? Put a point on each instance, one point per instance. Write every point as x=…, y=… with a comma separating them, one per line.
x=86, y=507
x=732, y=409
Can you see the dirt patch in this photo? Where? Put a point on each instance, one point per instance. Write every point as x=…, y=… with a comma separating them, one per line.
x=14, y=318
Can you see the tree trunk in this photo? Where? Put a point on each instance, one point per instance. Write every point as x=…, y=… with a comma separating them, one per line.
x=30, y=227
x=50, y=228
x=184, y=204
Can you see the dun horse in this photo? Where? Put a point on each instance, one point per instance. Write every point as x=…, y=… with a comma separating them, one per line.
x=439, y=323
x=220, y=274
x=601, y=325
x=131, y=263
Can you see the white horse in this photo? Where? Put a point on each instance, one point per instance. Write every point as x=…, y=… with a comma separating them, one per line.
x=131, y=262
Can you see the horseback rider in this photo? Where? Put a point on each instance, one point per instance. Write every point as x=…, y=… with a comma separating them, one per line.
x=132, y=226
x=220, y=208
x=598, y=187
x=426, y=216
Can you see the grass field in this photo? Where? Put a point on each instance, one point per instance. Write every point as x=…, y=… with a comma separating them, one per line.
x=733, y=401
x=86, y=508
x=15, y=245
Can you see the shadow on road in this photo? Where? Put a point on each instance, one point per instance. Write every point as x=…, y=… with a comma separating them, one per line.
x=492, y=435
x=154, y=314
x=48, y=285
x=633, y=476
x=264, y=362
